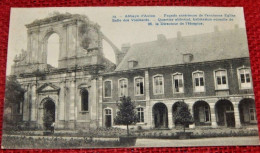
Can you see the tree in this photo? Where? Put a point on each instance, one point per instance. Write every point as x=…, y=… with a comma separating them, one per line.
x=126, y=114
x=183, y=115
x=14, y=93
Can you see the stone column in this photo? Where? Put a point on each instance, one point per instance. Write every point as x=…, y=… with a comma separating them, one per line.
x=71, y=102
x=33, y=105
x=93, y=104
x=100, y=112
x=61, y=102
x=149, y=112
x=25, y=104
x=150, y=120
x=170, y=122
x=147, y=85
x=192, y=126
x=213, y=115
x=236, y=113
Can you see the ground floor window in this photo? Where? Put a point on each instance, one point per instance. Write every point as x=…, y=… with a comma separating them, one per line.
x=140, y=114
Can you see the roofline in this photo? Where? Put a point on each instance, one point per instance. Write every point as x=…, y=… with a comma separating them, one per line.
x=168, y=66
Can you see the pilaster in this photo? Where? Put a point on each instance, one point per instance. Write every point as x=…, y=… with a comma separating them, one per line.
x=236, y=114
x=213, y=115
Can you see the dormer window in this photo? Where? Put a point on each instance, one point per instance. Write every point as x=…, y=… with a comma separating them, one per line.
x=132, y=64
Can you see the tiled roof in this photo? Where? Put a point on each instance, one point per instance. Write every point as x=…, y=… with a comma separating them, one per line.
x=213, y=46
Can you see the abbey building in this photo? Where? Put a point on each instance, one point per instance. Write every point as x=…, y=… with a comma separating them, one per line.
x=210, y=72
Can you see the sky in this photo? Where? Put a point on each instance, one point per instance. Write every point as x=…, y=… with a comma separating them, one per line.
x=118, y=32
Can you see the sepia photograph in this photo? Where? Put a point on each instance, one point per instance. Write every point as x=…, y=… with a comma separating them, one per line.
x=113, y=77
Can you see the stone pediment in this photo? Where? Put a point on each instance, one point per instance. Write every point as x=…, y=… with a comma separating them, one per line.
x=48, y=87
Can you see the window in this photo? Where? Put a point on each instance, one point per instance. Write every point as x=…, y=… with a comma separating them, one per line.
x=84, y=100
x=252, y=114
x=108, y=117
x=122, y=87
x=221, y=79
x=158, y=84
x=140, y=114
x=245, y=78
x=177, y=80
x=107, y=89
x=198, y=81
x=139, y=86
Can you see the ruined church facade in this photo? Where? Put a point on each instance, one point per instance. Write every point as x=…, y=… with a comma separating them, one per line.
x=70, y=93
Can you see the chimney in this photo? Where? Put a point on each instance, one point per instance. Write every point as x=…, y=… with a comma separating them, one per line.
x=188, y=57
x=161, y=37
x=179, y=35
x=216, y=29
x=125, y=47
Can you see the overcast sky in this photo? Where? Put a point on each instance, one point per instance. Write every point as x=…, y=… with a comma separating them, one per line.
x=118, y=33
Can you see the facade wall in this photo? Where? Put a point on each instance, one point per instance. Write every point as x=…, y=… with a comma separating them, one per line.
x=67, y=99
x=211, y=96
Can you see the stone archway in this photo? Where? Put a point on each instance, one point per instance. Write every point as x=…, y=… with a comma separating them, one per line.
x=247, y=111
x=160, y=115
x=225, y=113
x=201, y=113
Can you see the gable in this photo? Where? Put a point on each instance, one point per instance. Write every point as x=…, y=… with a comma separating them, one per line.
x=48, y=87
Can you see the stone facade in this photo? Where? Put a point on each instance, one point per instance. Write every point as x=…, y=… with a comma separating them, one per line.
x=84, y=90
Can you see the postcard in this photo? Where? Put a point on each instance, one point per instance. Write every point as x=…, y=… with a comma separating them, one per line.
x=105, y=77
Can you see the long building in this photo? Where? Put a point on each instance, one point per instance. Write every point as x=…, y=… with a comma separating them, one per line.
x=210, y=72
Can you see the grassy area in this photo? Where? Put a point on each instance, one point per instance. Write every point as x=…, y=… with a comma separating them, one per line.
x=154, y=133
x=54, y=143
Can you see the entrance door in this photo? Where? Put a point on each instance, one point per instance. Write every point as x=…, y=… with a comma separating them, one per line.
x=108, y=118
x=49, y=113
x=230, y=119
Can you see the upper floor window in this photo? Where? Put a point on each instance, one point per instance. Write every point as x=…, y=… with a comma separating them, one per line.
x=139, y=86
x=158, y=84
x=245, y=78
x=123, y=85
x=140, y=114
x=107, y=88
x=221, y=79
x=177, y=82
x=84, y=99
x=198, y=81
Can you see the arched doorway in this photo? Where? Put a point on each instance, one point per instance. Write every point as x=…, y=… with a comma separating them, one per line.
x=247, y=111
x=201, y=113
x=225, y=113
x=160, y=114
x=108, y=118
x=49, y=113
